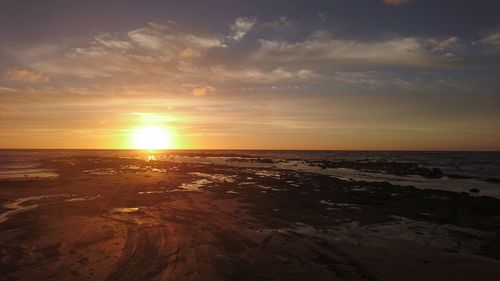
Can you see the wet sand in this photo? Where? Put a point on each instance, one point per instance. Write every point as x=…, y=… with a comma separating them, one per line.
x=129, y=219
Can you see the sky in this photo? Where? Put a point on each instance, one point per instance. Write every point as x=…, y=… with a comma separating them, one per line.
x=334, y=74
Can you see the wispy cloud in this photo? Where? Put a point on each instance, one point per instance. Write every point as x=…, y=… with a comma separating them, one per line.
x=396, y=2
x=371, y=78
x=26, y=76
x=189, y=53
x=203, y=91
x=279, y=24
x=419, y=81
x=169, y=36
x=161, y=58
x=256, y=75
x=321, y=46
x=241, y=27
x=492, y=38
x=151, y=50
x=159, y=54
x=7, y=90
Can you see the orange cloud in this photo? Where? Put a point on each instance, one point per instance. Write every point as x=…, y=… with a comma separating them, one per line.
x=203, y=91
x=188, y=53
x=396, y=2
x=25, y=75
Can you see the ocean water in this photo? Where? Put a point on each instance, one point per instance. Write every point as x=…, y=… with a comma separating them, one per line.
x=462, y=170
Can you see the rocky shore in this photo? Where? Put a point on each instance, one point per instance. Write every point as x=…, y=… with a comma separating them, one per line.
x=109, y=218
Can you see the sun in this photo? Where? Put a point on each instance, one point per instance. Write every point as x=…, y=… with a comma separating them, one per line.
x=152, y=138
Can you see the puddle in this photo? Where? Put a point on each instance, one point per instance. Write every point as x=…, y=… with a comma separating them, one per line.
x=134, y=215
x=27, y=173
x=158, y=170
x=359, y=189
x=457, y=185
x=151, y=192
x=327, y=203
x=215, y=177
x=18, y=206
x=246, y=183
x=128, y=168
x=84, y=198
x=205, y=180
x=100, y=172
x=345, y=205
x=195, y=185
x=268, y=174
x=132, y=167
x=126, y=210
x=267, y=188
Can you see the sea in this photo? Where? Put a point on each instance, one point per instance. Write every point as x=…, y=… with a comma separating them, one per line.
x=463, y=171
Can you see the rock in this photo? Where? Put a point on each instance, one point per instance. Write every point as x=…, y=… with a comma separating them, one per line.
x=474, y=190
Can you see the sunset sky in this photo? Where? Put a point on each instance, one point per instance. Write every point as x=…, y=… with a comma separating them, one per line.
x=334, y=74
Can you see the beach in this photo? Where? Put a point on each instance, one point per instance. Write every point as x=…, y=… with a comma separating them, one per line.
x=228, y=216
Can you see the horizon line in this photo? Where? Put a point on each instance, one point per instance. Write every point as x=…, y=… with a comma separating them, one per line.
x=255, y=149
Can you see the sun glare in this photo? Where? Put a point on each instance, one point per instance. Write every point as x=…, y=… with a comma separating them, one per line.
x=152, y=138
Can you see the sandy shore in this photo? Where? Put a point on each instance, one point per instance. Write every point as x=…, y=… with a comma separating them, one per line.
x=127, y=219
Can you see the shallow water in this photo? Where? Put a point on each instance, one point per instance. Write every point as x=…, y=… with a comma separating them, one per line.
x=479, y=170
x=20, y=205
x=15, y=173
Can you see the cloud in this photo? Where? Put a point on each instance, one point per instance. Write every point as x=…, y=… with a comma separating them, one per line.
x=427, y=81
x=492, y=39
x=320, y=46
x=241, y=27
x=7, y=90
x=109, y=41
x=396, y=2
x=26, y=76
x=371, y=78
x=256, y=75
x=278, y=24
x=189, y=53
x=168, y=36
x=203, y=91
x=147, y=51
x=161, y=58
